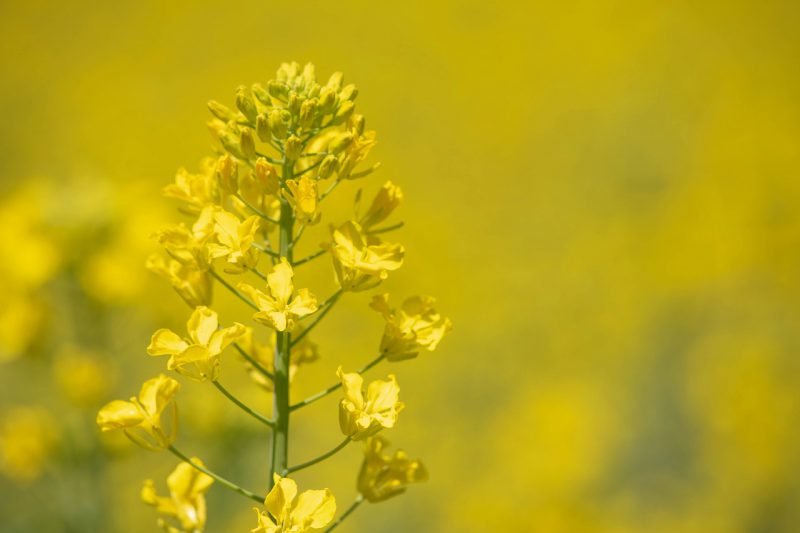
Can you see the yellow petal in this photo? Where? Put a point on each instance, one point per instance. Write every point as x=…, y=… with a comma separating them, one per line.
x=383, y=395
x=315, y=508
x=280, y=282
x=352, y=384
x=202, y=324
x=157, y=392
x=304, y=303
x=280, y=498
x=119, y=414
x=166, y=342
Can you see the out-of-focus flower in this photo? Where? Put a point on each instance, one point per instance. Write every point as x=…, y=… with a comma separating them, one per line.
x=140, y=418
x=311, y=509
x=198, y=356
x=415, y=326
x=281, y=308
x=186, y=501
x=190, y=245
x=191, y=284
x=384, y=203
x=304, y=352
x=22, y=318
x=361, y=417
x=196, y=190
x=362, y=262
x=83, y=378
x=235, y=241
x=383, y=476
x=28, y=436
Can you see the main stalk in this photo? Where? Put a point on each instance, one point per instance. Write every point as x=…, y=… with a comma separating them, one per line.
x=280, y=434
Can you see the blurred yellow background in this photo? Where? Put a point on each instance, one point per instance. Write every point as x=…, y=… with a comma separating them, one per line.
x=602, y=196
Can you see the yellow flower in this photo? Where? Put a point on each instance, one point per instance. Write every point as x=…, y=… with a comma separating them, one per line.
x=191, y=284
x=186, y=501
x=383, y=476
x=198, y=356
x=415, y=326
x=190, y=246
x=83, y=378
x=279, y=309
x=235, y=241
x=386, y=201
x=304, y=352
x=140, y=418
x=304, y=199
x=360, y=418
x=357, y=151
x=27, y=439
x=311, y=509
x=196, y=190
x=362, y=262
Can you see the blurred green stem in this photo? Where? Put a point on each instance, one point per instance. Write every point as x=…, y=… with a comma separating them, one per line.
x=261, y=418
x=222, y=481
x=358, y=501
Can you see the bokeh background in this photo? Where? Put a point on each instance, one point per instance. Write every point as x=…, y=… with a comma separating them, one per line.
x=602, y=195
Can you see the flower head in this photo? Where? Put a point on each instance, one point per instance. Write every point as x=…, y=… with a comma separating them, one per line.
x=283, y=306
x=361, y=417
x=186, y=501
x=290, y=512
x=415, y=326
x=197, y=356
x=191, y=284
x=362, y=262
x=140, y=418
x=189, y=246
x=234, y=241
x=383, y=476
x=195, y=190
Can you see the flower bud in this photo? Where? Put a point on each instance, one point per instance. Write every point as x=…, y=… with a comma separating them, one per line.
x=343, y=113
x=261, y=94
x=340, y=142
x=247, y=143
x=348, y=93
x=266, y=176
x=279, y=120
x=358, y=123
x=278, y=90
x=262, y=128
x=327, y=167
x=335, y=81
x=228, y=173
x=327, y=100
x=308, y=112
x=294, y=147
x=294, y=103
x=245, y=103
x=220, y=111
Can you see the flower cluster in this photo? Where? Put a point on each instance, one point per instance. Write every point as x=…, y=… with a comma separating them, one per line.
x=281, y=152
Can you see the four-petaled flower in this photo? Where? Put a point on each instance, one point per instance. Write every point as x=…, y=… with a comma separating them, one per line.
x=235, y=241
x=362, y=261
x=198, y=356
x=186, y=501
x=383, y=476
x=415, y=326
x=304, y=199
x=283, y=306
x=189, y=246
x=191, y=284
x=361, y=417
x=140, y=418
x=197, y=190
x=388, y=198
x=290, y=512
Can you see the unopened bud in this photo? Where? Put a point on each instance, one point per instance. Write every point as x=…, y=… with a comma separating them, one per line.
x=327, y=99
x=327, y=167
x=262, y=127
x=261, y=93
x=358, y=123
x=220, y=111
x=343, y=113
x=247, y=143
x=228, y=173
x=294, y=103
x=294, y=147
x=307, y=113
x=348, y=93
x=245, y=103
x=278, y=90
x=340, y=142
x=279, y=120
x=335, y=81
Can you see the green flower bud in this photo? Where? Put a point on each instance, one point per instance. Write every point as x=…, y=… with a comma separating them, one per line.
x=245, y=103
x=348, y=93
x=262, y=128
x=220, y=111
x=247, y=143
x=294, y=147
x=327, y=167
x=279, y=121
x=343, y=113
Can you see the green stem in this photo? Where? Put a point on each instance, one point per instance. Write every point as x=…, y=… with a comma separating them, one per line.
x=233, y=289
x=353, y=506
x=252, y=360
x=279, y=459
x=266, y=250
x=334, y=387
x=256, y=210
x=386, y=229
x=319, y=459
x=310, y=257
x=326, y=307
x=261, y=418
x=222, y=481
